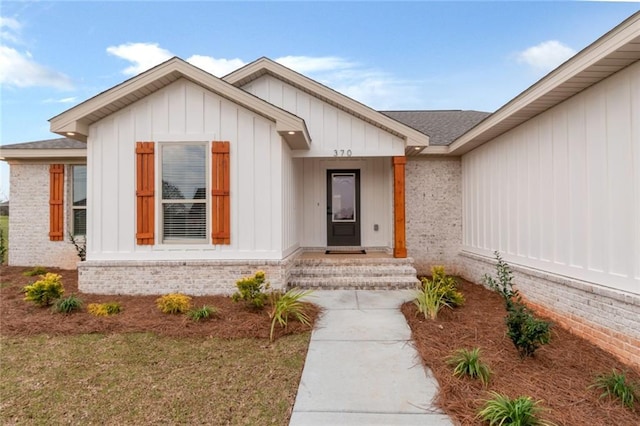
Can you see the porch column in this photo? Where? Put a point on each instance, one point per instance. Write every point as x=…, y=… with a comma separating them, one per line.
x=400, y=241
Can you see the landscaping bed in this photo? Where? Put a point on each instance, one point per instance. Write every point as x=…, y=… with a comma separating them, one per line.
x=559, y=374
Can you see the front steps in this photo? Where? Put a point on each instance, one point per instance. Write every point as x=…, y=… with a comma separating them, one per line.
x=353, y=273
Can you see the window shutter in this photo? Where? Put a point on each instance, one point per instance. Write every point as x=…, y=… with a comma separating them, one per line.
x=221, y=214
x=145, y=193
x=56, y=199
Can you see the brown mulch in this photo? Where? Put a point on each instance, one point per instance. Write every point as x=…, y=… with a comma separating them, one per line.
x=558, y=375
x=139, y=314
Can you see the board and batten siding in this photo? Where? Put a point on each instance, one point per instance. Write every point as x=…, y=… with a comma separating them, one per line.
x=561, y=192
x=185, y=112
x=334, y=132
x=376, y=195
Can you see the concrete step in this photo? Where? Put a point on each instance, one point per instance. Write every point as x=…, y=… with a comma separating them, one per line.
x=355, y=283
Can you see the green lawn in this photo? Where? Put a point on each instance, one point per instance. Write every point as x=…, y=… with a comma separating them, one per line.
x=4, y=227
x=145, y=379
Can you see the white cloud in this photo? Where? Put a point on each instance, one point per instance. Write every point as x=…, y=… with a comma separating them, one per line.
x=68, y=100
x=20, y=70
x=142, y=56
x=10, y=30
x=309, y=64
x=546, y=55
x=216, y=66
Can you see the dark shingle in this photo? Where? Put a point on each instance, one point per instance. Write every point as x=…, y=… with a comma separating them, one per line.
x=60, y=143
x=443, y=127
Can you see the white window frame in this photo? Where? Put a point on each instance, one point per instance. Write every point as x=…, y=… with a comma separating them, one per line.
x=73, y=207
x=206, y=201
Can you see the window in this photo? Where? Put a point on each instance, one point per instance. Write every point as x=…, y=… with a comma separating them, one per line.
x=79, y=199
x=184, y=192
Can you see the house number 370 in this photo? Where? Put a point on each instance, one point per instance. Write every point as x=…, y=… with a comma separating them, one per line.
x=342, y=153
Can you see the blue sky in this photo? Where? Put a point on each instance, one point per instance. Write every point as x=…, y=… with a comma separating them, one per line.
x=388, y=55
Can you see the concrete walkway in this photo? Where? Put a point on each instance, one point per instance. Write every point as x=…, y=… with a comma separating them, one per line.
x=361, y=368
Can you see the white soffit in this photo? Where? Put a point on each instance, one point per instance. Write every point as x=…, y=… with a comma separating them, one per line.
x=612, y=52
x=262, y=66
x=75, y=122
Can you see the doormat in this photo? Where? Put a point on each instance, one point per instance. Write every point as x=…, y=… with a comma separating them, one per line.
x=345, y=252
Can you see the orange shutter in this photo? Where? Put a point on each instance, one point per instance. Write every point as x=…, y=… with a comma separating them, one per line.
x=221, y=213
x=145, y=193
x=56, y=198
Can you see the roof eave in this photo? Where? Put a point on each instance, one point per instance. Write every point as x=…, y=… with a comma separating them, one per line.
x=35, y=154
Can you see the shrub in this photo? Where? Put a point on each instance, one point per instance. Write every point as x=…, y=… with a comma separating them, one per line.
x=80, y=246
x=68, y=304
x=526, y=331
x=36, y=270
x=467, y=363
x=617, y=386
x=448, y=286
x=500, y=410
x=203, y=313
x=44, y=291
x=285, y=305
x=252, y=290
x=174, y=303
x=3, y=247
x=104, y=309
x=430, y=299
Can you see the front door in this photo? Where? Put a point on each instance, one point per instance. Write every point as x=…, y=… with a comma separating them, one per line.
x=343, y=207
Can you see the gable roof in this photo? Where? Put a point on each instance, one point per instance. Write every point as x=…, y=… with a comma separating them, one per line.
x=415, y=141
x=443, y=127
x=611, y=53
x=75, y=121
x=48, y=148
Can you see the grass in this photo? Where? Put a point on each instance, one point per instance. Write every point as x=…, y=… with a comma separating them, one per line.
x=142, y=378
x=4, y=227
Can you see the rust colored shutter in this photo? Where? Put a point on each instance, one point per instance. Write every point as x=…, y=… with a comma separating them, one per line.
x=145, y=188
x=56, y=202
x=221, y=214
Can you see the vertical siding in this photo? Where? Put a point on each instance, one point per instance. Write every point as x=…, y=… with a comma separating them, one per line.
x=561, y=191
x=184, y=111
x=330, y=128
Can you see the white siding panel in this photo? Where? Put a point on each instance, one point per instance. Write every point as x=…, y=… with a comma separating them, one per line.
x=566, y=186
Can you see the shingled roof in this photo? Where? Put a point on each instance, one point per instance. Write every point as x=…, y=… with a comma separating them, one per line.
x=443, y=127
x=59, y=143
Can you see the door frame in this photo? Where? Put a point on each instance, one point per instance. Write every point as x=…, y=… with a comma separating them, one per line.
x=354, y=240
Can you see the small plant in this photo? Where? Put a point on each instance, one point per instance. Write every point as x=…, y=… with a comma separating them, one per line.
x=104, y=309
x=174, y=303
x=430, y=299
x=252, y=290
x=448, y=286
x=501, y=410
x=35, y=271
x=68, y=305
x=44, y=291
x=616, y=385
x=3, y=247
x=202, y=313
x=80, y=245
x=467, y=363
x=285, y=305
x=526, y=331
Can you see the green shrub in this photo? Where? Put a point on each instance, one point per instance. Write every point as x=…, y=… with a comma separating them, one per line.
x=285, y=305
x=252, y=290
x=36, y=270
x=616, y=385
x=429, y=300
x=500, y=410
x=3, y=247
x=174, y=303
x=68, y=304
x=202, y=313
x=467, y=363
x=44, y=291
x=80, y=246
x=104, y=309
x=526, y=331
x=447, y=285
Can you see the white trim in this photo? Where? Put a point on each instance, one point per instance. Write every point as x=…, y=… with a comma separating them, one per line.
x=10, y=154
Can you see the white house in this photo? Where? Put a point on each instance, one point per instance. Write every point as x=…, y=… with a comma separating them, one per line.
x=185, y=182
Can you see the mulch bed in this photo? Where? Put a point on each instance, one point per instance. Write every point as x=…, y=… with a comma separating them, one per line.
x=558, y=375
x=139, y=314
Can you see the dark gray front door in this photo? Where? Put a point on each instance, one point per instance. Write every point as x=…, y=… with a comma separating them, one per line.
x=343, y=207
